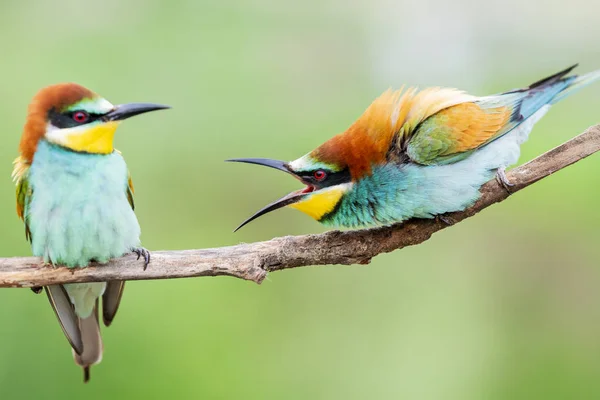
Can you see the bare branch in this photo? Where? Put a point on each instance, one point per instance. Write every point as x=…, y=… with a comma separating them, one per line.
x=253, y=261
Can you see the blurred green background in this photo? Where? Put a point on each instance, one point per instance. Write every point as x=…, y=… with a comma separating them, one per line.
x=504, y=305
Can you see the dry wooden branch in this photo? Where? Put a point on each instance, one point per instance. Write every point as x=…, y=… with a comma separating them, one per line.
x=253, y=261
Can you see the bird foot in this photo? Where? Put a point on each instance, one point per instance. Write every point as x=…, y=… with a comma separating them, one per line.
x=503, y=180
x=446, y=219
x=142, y=252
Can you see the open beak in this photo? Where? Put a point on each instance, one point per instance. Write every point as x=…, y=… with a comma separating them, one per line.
x=124, y=111
x=267, y=162
x=286, y=200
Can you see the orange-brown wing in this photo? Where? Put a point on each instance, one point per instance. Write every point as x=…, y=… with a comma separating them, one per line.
x=453, y=133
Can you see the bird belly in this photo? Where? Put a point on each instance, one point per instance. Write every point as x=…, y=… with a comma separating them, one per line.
x=79, y=210
x=396, y=193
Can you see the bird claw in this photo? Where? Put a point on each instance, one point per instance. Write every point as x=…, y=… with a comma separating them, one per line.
x=37, y=289
x=445, y=219
x=142, y=252
x=503, y=180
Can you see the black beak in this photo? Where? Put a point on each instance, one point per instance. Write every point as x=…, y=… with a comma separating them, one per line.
x=267, y=162
x=282, y=202
x=124, y=111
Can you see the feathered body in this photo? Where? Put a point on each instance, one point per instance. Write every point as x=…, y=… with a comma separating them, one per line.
x=81, y=210
x=418, y=154
x=75, y=197
x=397, y=192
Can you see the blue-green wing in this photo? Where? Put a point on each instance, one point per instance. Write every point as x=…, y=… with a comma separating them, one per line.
x=24, y=194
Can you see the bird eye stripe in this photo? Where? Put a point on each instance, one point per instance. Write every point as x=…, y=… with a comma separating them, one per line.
x=329, y=179
x=69, y=119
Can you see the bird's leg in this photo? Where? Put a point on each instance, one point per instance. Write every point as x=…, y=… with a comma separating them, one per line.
x=142, y=252
x=503, y=180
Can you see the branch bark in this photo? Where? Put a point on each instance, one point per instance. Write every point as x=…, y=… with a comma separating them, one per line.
x=253, y=261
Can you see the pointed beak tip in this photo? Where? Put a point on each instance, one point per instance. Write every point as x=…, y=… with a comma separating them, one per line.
x=125, y=111
x=247, y=221
x=156, y=107
x=282, y=202
x=286, y=200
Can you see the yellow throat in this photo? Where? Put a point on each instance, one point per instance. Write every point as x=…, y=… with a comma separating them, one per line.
x=97, y=139
x=320, y=203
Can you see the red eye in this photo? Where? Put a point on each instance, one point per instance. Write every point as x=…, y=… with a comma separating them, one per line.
x=80, y=116
x=319, y=175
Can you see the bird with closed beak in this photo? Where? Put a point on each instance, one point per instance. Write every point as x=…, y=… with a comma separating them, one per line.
x=417, y=154
x=75, y=196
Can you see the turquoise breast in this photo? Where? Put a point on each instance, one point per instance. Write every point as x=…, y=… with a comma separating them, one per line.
x=79, y=210
x=396, y=193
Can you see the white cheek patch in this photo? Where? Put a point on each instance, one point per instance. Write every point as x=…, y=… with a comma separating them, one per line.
x=61, y=136
x=342, y=188
x=345, y=187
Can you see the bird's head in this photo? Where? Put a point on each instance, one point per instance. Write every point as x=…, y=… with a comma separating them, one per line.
x=326, y=182
x=332, y=169
x=76, y=118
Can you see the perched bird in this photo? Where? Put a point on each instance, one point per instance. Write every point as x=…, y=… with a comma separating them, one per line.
x=75, y=196
x=417, y=154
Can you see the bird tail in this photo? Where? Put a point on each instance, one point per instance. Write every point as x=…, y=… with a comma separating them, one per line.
x=574, y=83
x=548, y=91
x=92, y=343
x=526, y=102
x=83, y=334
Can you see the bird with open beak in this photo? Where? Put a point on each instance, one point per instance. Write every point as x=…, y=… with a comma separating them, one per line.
x=417, y=154
x=75, y=196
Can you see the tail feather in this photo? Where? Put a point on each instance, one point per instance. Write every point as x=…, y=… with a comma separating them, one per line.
x=63, y=308
x=83, y=333
x=524, y=103
x=92, y=343
x=553, y=78
x=576, y=83
x=111, y=300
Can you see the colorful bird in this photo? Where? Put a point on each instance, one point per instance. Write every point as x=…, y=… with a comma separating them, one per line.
x=75, y=196
x=417, y=154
